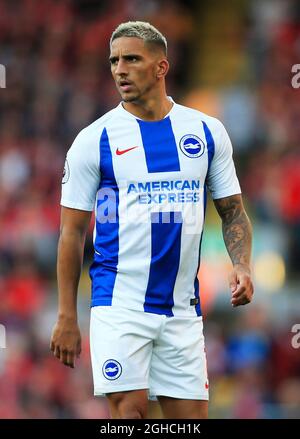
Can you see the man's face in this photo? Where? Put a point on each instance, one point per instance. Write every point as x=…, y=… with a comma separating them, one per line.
x=134, y=67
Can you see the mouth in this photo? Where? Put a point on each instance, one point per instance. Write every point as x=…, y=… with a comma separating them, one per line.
x=125, y=85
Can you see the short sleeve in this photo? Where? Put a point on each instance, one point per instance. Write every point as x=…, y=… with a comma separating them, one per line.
x=222, y=180
x=81, y=175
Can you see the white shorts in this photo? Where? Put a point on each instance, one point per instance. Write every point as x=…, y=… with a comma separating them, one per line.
x=133, y=350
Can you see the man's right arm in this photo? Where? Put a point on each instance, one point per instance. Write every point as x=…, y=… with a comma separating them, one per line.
x=66, y=340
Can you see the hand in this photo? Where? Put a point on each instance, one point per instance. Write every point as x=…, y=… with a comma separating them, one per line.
x=241, y=285
x=66, y=341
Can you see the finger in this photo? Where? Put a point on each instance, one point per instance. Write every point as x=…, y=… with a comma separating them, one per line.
x=78, y=349
x=56, y=351
x=64, y=356
x=239, y=291
x=52, y=346
x=243, y=299
x=232, y=281
x=243, y=283
x=70, y=359
x=239, y=300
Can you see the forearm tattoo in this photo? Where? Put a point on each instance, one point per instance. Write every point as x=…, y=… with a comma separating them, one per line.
x=237, y=230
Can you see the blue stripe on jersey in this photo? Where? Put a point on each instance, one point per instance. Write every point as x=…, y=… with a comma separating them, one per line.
x=103, y=271
x=210, y=144
x=196, y=283
x=159, y=145
x=165, y=254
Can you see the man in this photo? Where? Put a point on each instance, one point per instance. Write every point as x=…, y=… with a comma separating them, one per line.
x=144, y=166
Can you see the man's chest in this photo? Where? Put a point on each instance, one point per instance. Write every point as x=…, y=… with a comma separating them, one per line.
x=149, y=152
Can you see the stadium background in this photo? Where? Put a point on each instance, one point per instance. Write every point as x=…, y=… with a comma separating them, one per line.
x=230, y=59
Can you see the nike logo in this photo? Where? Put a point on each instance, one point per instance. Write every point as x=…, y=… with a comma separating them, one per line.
x=122, y=151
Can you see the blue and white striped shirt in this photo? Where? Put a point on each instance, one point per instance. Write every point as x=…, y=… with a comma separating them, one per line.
x=147, y=183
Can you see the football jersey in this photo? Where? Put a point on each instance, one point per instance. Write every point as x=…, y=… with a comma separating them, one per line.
x=147, y=182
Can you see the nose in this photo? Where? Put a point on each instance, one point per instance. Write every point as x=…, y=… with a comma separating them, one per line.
x=121, y=68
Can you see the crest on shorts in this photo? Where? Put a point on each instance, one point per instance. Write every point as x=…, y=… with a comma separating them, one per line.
x=111, y=369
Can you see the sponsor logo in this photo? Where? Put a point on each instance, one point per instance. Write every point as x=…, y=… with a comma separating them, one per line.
x=191, y=146
x=66, y=172
x=123, y=151
x=161, y=192
x=111, y=369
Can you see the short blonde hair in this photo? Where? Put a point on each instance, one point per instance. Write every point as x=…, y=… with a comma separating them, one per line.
x=140, y=29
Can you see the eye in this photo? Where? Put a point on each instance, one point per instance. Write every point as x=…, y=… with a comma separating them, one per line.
x=132, y=59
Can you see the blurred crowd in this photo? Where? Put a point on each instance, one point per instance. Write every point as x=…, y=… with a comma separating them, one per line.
x=58, y=81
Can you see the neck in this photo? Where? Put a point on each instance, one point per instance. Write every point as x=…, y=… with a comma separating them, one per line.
x=151, y=109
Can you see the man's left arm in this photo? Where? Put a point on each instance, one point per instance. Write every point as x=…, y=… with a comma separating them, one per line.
x=237, y=233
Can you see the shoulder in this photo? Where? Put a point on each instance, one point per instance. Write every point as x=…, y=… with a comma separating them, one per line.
x=86, y=143
x=95, y=129
x=214, y=124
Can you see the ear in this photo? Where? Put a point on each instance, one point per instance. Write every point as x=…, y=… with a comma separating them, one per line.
x=162, y=68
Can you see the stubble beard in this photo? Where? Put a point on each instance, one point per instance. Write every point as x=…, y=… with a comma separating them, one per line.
x=132, y=98
x=137, y=96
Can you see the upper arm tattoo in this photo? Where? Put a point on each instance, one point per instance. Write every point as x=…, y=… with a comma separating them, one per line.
x=237, y=231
